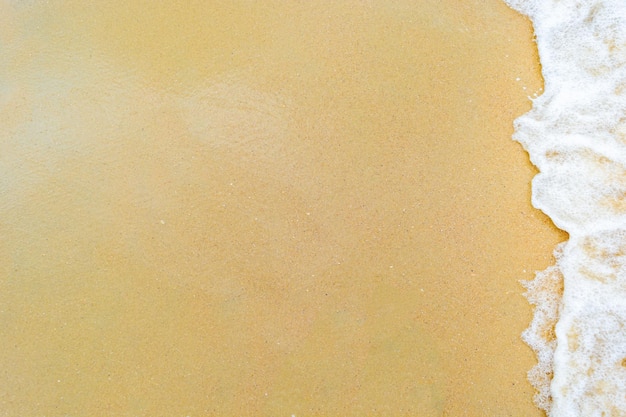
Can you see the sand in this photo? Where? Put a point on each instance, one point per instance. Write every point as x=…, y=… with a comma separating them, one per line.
x=294, y=208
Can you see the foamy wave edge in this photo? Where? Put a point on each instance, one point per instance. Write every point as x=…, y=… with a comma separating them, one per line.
x=575, y=135
x=544, y=293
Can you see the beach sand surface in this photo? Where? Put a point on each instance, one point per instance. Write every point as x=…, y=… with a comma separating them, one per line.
x=266, y=208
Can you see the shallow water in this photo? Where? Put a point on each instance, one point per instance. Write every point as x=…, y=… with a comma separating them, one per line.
x=575, y=136
x=222, y=209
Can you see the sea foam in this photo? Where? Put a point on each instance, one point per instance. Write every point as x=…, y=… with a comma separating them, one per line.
x=576, y=136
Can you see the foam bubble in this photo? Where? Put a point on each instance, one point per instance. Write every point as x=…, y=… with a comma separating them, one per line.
x=576, y=136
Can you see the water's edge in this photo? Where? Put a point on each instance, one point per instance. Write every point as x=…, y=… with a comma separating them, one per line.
x=575, y=136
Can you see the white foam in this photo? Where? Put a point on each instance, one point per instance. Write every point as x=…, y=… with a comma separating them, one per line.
x=545, y=293
x=576, y=136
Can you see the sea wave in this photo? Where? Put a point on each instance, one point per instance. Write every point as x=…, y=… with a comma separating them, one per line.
x=576, y=136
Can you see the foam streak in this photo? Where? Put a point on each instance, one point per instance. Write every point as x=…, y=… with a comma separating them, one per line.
x=576, y=135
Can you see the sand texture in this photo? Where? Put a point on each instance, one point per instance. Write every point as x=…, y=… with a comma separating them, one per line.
x=266, y=208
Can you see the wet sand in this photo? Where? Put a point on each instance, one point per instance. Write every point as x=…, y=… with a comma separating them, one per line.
x=299, y=208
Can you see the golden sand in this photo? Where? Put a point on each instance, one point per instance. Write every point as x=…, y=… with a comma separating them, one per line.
x=266, y=208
